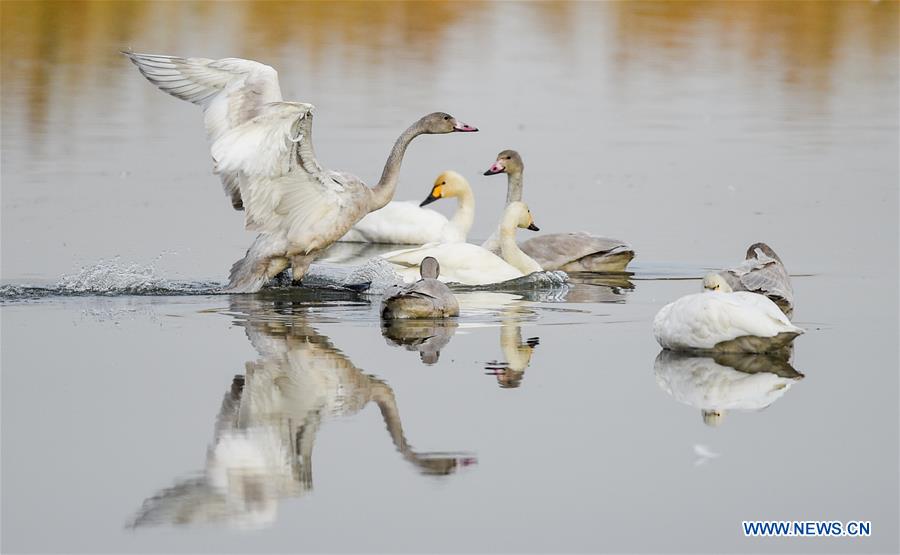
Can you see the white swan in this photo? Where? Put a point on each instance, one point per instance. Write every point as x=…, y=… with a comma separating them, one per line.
x=470, y=264
x=571, y=252
x=406, y=223
x=720, y=320
x=263, y=151
x=400, y=222
x=762, y=272
x=426, y=298
x=728, y=381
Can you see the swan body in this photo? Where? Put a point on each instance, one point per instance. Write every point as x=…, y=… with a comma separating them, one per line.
x=400, y=223
x=426, y=298
x=470, y=264
x=762, y=272
x=716, y=384
x=570, y=252
x=263, y=151
x=407, y=223
x=723, y=321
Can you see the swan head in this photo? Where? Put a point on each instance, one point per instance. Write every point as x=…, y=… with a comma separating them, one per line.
x=429, y=268
x=507, y=161
x=715, y=282
x=448, y=184
x=754, y=250
x=516, y=215
x=440, y=122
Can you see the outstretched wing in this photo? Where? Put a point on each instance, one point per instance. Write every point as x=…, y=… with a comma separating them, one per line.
x=231, y=92
x=284, y=188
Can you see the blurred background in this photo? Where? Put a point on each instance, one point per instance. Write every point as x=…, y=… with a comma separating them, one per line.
x=689, y=129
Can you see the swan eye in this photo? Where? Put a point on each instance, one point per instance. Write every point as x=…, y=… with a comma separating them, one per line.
x=446, y=118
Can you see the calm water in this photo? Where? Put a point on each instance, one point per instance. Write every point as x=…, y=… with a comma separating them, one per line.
x=538, y=422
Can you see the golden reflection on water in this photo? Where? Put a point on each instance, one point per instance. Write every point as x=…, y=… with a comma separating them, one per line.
x=802, y=38
x=57, y=47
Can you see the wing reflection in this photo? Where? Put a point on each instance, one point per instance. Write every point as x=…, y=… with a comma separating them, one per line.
x=732, y=381
x=268, y=422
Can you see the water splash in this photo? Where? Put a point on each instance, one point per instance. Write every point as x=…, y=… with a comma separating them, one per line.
x=110, y=278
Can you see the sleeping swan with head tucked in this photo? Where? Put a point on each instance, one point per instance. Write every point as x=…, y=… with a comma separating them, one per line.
x=720, y=320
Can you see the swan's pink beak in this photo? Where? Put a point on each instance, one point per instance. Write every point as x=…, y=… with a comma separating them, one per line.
x=495, y=168
x=464, y=127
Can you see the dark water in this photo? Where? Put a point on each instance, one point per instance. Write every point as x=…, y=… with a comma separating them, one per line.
x=539, y=421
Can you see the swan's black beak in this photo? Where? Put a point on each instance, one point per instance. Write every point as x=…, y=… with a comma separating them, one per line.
x=431, y=198
x=463, y=127
x=495, y=168
x=533, y=227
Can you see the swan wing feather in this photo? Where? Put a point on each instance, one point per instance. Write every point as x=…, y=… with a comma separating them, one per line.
x=231, y=91
x=554, y=250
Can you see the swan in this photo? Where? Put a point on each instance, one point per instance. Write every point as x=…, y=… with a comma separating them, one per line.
x=268, y=423
x=571, y=252
x=728, y=381
x=720, y=320
x=400, y=222
x=426, y=298
x=262, y=150
x=470, y=264
x=404, y=222
x=762, y=272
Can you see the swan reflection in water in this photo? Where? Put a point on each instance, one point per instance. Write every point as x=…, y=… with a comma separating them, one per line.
x=427, y=336
x=727, y=381
x=516, y=352
x=586, y=287
x=268, y=422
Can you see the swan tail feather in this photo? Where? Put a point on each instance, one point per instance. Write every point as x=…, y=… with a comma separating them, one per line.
x=261, y=263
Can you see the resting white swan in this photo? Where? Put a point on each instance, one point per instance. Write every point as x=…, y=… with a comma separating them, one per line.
x=263, y=151
x=720, y=320
x=572, y=252
x=728, y=381
x=762, y=272
x=470, y=264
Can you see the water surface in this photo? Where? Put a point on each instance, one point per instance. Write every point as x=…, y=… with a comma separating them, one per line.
x=536, y=422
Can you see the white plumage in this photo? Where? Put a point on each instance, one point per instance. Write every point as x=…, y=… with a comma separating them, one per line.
x=723, y=321
x=400, y=223
x=262, y=149
x=471, y=264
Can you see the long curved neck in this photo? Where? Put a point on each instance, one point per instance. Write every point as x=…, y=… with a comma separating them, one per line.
x=383, y=191
x=464, y=216
x=513, y=186
x=511, y=252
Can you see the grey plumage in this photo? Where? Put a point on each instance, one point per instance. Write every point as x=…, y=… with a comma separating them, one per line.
x=426, y=298
x=578, y=252
x=762, y=272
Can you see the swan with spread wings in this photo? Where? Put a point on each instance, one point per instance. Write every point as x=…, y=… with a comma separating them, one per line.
x=263, y=152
